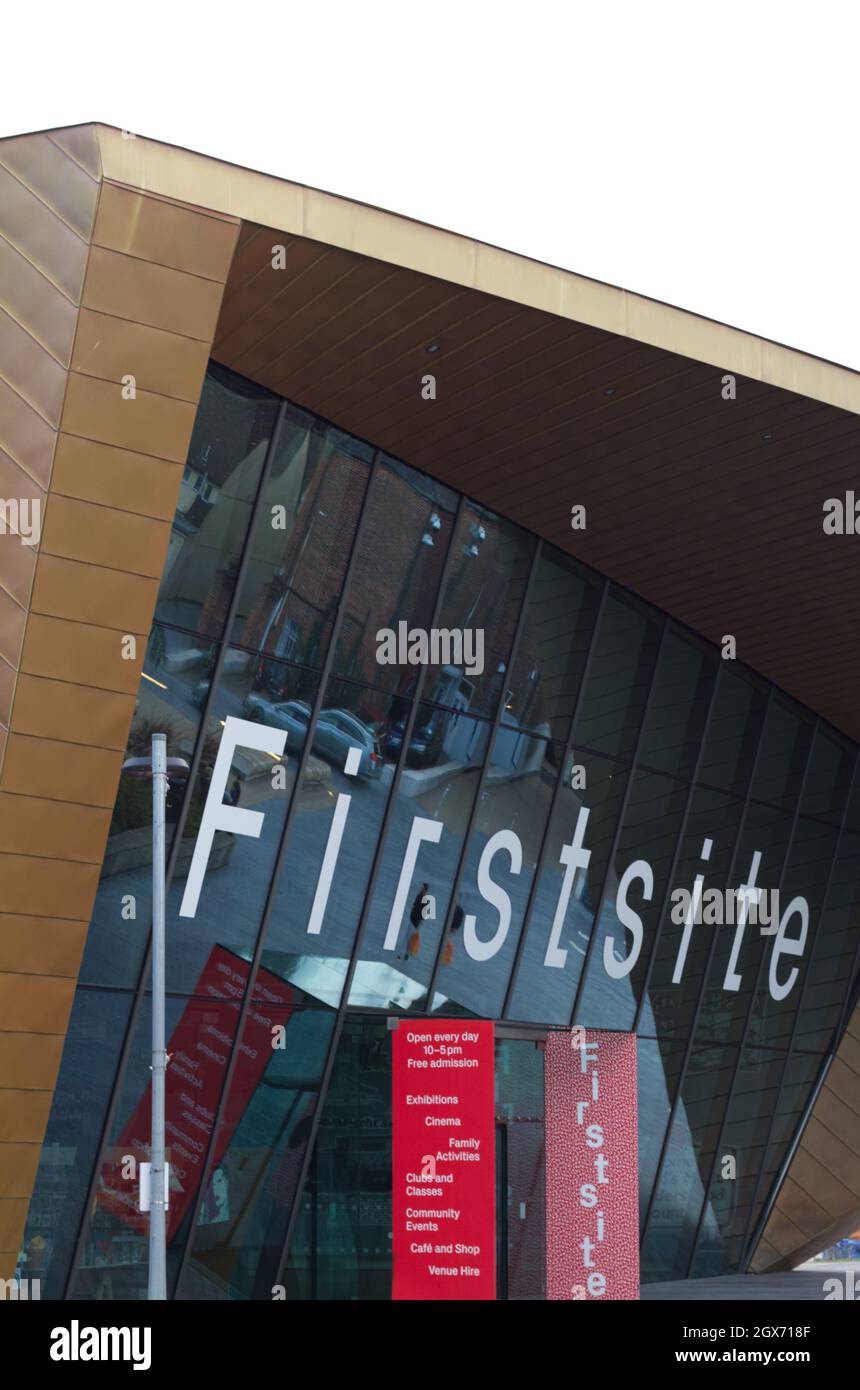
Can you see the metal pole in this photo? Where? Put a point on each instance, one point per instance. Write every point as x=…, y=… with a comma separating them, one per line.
x=157, y=1290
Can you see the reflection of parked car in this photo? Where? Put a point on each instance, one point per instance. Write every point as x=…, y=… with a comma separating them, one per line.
x=337, y=731
x=291, y=715
x=425, y=744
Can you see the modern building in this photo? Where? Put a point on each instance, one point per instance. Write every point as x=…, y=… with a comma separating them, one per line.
x=246, y=427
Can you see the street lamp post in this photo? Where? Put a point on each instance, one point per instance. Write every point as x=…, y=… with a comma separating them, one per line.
x=157, y=1290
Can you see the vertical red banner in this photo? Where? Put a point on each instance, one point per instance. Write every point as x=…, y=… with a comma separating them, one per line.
x=443, y=1192
x=592, y=1178
x=199, y=1049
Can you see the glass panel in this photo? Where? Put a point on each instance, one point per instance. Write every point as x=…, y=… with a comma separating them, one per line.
x=738, y=1162
x=172, y=692
x=239, y=866
x=740, y=943
x=797, y=1087
x=396, y=577
x=200, y=1033
x=550, y=660
x=484, y=592
x=499, y=867
x=619, y=678
x=629, y=912
x=261, y=1145
x=829, y=777
x=70, y=1147
x=418, y=866
x=520, y=1122
x=682, y=952
x=681, y=1188
x=301, y=542
x=782, y=758
x=338, y=819
x=228, y=446
x=657, y=1072
x=568, y=892
x=734, y=732
x=834, y=951
x=342, y=1246
x=678, y=707
x=803, y=885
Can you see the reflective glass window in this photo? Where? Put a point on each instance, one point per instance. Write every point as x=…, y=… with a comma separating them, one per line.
x=619, y=677
x=583, y=823
x=499, y=867
x=740, y=942
x=687, y=937
x=674, y=1217
x=239, y=865
x=783, y=755
x=734, y=732
x=302, y=537
x=254, y=1173
x=550, y=660
x=741, y=1154
x=222, y=473
x=678, y=707
x=336, y=826
x=484, y=591
x=395, y=578
x=801, y=897
x=419, y=862
x=70, y=1146
x=632, y=902
x=200, y=1031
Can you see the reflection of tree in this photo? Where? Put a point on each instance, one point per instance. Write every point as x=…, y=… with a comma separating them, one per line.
x=133, y=808
x=157, y=650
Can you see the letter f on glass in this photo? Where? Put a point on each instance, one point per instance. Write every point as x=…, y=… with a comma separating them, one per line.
x=218, y=815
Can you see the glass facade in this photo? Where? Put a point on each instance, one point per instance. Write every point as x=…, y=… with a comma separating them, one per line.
x=499, y=833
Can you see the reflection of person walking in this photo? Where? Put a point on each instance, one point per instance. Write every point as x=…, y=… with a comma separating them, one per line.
x=456, y=924
x=416, y=918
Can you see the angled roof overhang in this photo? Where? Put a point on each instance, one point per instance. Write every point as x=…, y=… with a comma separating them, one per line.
x=554, y=390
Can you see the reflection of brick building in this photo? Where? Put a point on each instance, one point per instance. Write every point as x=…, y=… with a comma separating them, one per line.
x=299, y=597
x=395, y=576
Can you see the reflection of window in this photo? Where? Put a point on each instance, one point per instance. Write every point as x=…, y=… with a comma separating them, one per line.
x=287, y=639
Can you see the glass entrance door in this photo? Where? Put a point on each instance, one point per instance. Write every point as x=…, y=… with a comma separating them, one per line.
x=520, y=1170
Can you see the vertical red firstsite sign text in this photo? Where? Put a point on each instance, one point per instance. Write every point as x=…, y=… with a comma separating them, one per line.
x=592, y=1192
x=443, y=1187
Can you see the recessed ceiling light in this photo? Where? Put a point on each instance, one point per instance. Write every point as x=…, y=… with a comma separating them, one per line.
x=432, y=347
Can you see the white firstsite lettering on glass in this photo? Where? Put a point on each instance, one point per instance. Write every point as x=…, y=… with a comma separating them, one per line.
x=573, y=857
x=332, y=849
x=788, y=946
x=494, y=895
x=746, y=893
x=618, y=956
x=422, y=829
x=617, y=969
x=217, y=815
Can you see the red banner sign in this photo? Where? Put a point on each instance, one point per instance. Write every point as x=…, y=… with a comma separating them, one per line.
x=199, y=1050
x=592, y=1194
x=443, y=1188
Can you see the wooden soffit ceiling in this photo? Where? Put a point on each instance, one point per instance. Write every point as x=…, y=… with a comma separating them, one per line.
x=711, y=508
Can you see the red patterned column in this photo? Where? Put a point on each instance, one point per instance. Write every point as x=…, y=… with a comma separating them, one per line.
x=592, y=1182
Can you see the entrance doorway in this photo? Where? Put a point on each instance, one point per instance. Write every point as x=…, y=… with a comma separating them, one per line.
x=341, y=1246
x=520, y=1167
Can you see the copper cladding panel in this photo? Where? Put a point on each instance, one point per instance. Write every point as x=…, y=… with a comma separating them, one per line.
x=98, y=288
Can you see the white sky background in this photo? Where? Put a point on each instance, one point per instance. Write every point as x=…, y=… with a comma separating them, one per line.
x=703, y=154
